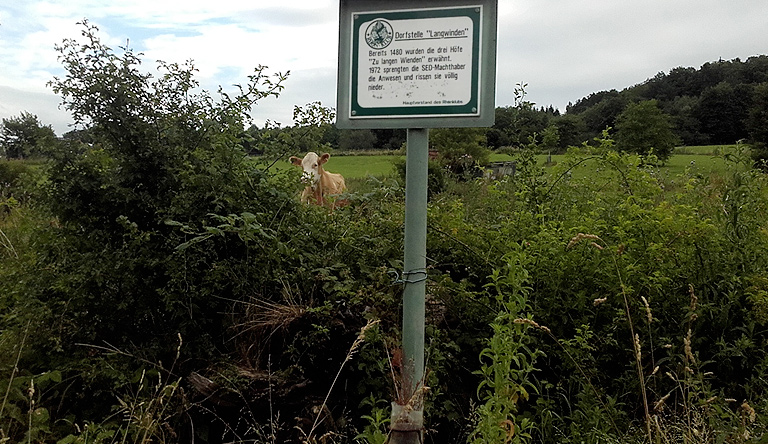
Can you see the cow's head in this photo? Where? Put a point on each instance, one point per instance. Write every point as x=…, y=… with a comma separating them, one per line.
x=312, y=164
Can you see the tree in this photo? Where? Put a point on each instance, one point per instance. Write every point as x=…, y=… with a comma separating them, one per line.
x=354, y=140
x=162, y=157
x=722, y=112
x=496, y=138
x=25, y=136
x=604, y=114
x=312, y=131
x=681, y=110
x=455, y=143
x=644, y=129
x=591, y=100
x=515, y=124
x=571, y=129
x=389, y=138
x=550, y=139
x=146, y=130
x=757, y=123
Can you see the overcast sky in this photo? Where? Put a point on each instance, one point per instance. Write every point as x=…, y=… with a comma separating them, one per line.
x=563, y=49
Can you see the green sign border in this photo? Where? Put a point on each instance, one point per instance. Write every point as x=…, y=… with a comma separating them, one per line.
x=472, y=108
x=486, y=81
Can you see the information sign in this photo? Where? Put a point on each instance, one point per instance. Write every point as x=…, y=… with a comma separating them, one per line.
x=415, y=66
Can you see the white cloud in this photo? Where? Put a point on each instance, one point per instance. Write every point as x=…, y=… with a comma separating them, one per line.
x=223, y=46
x=42, y=104
x=567, y=50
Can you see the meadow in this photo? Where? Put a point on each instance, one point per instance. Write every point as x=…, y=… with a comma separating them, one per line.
x=706, y=159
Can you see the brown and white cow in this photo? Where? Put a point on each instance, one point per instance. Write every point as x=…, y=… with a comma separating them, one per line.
x=322, y=184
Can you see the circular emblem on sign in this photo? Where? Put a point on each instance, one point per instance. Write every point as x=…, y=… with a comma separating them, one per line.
x=379, y=34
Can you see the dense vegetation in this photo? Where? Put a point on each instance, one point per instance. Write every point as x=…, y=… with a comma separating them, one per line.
x=157, y=284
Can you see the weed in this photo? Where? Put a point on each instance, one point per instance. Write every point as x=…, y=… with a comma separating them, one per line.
x=375, y=432
x=322, y=411
x=507, y=362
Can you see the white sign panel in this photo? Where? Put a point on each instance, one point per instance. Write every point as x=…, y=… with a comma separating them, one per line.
x=417, y=62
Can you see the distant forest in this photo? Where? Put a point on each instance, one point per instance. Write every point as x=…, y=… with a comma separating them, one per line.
x=717, y=103
x=709, y=105
x=720, y=103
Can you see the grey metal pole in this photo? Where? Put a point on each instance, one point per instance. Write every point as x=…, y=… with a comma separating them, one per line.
x=406, y=424
x=415, y=264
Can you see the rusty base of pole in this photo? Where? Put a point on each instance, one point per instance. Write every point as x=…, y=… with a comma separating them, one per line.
x=405, y=437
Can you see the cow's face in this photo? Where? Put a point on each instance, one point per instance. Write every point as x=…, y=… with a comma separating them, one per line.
x=312, y=164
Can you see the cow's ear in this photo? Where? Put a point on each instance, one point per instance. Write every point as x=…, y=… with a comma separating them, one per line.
x=295, y=160
x=324, y=158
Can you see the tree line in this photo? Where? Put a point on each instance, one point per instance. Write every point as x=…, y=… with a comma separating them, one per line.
x=721, y=102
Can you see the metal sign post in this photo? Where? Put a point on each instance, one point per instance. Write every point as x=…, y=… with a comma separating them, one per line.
x=415, y=263
x=407, y=421
x=415, y=65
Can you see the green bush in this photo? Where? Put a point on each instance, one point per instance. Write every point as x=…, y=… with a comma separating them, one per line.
x=17, y=181
x=12, y=170
x=435, y=175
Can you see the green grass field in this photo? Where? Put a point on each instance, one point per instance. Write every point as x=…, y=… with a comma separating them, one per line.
x=707, y=150
x=707, y=159
x=355, y=167
x=362, y=166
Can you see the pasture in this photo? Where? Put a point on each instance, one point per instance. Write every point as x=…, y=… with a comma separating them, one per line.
x=704, y=159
